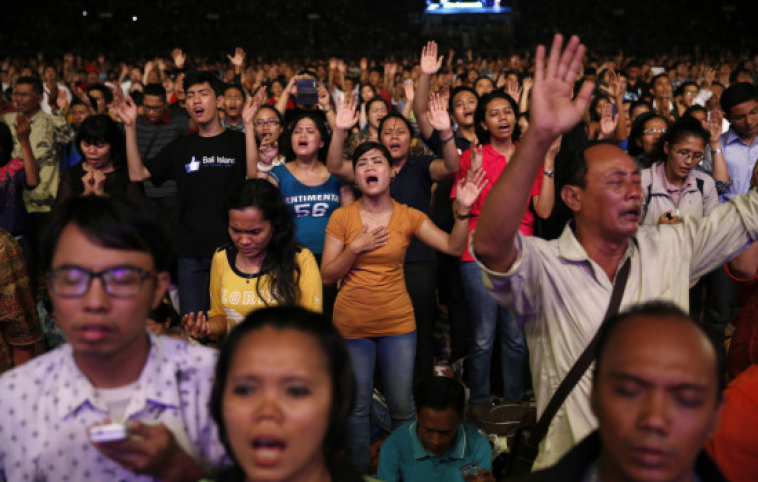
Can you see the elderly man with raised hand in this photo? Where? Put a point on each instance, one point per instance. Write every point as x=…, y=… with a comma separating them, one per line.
x=560, y=289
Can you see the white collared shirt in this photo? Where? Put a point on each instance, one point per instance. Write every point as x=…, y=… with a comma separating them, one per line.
x=48, y=404
x=560, y=296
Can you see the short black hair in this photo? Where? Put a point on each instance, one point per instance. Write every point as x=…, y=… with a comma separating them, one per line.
x=463, y=88
x=367, y=146
x=685, y=127
x=35, y=82
x=102, y=129
x=329, y=340
x=396, y=115
x=107, y=94
x=118, y=222
x=736, y=94
x=237, y=87
x=194, y=77
x=656, y=309
x=155, y=89
x=572, y=168
x=440, y=393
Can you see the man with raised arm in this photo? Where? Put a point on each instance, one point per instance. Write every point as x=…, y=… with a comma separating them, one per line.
x=560, y=289
x=205, y=165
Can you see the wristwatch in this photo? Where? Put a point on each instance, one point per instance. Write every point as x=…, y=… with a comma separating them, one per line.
x=550, y=173
x=462, y=216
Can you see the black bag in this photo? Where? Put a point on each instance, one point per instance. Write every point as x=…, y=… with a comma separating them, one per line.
x=526, y=441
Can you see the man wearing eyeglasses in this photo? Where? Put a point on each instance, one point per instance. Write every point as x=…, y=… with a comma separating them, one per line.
x=106, y=261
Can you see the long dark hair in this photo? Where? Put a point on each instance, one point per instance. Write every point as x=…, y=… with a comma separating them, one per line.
x=334, y=349
x=280, y=263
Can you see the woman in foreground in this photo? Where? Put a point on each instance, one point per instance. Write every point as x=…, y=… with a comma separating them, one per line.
x=283, y=390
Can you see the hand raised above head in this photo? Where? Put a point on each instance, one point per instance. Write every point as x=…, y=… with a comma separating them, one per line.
x=430, y=64
x=347, y=114
x=553, y=109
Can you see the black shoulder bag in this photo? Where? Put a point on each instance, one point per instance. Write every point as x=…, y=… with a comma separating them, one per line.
x=527, y=439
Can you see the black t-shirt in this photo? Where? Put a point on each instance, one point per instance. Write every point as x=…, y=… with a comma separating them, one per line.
x=205, y=169
x=412, y=186
x=442, y=208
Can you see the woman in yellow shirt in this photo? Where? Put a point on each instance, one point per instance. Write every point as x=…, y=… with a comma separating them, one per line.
x=263, y=266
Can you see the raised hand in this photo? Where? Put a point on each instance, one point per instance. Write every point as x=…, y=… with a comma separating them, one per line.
x=23, y=128
x=470, y=187
x=552, y=153
x=363, y=63
x=410, y=91
x=370, y=240
x=249, y=110
x=179, y=58
x=238, y=60
x=125, y=108
x=527, y=84
x=476, y=156
x=61, y=100
x=553, y=111
x=347, y=114
x=324, y=97
x=512, y=88
x=430, y=64
x=196, y=325
x=608, y=121
x=715, y=125
x=437, y=114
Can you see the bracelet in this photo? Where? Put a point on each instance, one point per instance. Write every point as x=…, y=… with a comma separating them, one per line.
x=550, y=173
x=716, y=151
x=327, y=110
x=263, y=168
x=462, y=216
x=445, y=141
x=197, y=341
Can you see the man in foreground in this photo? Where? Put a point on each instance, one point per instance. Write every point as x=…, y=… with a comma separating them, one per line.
x=560, y=289
x=106, y=268
x=656, y=393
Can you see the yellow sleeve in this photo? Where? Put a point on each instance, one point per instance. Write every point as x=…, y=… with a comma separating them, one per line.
x=217, y=270
x=311, y=296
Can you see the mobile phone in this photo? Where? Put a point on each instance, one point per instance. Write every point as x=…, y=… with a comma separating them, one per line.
x=307, y=91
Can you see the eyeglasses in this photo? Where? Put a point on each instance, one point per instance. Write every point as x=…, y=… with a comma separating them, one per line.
x=153, y=108
x=695, y=156
x=270, y=123
x=651, y=132
x=118, y=281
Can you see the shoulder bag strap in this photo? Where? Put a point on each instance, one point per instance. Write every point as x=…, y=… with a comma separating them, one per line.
x=582, y=363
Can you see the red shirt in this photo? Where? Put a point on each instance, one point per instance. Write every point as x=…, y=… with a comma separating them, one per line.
x=493, y=164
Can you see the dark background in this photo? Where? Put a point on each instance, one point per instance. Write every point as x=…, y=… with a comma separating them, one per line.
x=354, y=28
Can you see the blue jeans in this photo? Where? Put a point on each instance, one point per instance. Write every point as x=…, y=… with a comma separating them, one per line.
x=396, y=355
x=486, y=315
x=194, y=284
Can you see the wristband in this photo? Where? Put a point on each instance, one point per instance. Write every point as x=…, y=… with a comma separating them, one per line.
x=263, y=168
x=445, y=141
x=716, y=151
x=461, y=217
x=328, y=109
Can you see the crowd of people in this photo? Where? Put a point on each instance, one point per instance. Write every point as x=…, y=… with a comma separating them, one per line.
x=368, y=201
